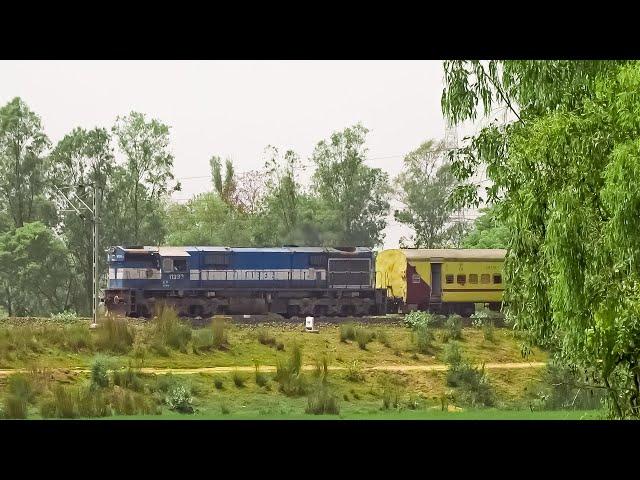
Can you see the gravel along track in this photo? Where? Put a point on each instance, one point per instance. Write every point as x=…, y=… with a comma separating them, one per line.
x=271, y=368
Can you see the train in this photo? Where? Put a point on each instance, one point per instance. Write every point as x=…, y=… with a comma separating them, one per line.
x=293, y=281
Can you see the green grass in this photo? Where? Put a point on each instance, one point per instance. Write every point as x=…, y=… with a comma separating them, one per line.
x=388, y=415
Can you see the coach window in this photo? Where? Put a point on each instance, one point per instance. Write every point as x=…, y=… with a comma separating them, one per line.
x=473, y=278
x=497, y=279
x=167, y=265
x=179, y=265
x=485, y=278
x=449, y=278
x=462, y=279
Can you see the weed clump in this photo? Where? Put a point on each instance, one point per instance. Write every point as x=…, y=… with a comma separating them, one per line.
x=115, y=335
x=128, y=379
x=289, y=373
x=347, y=332
x=354, y=372
x=238, y=379
x=383, y=338
x=453, y=328
x=218, y=383
x=219, y=329
x=100, y=372
x=262, y=379
x=265, y=338
x=322, y=402
x=423, y=338
x=179, y=399
x=363, y=337
x=170, y=331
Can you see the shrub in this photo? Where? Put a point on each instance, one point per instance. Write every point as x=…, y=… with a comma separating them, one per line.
x=354, y=372
x=179, y=399
x=453, y=327
x=265, y=338
x=321, y=401
x=483, y=319
x=100, y=372
x=415, y=318
x=363, y=337
x=472, y=382
x=488, y=330
x=238, y=379
x=347, y=332
x=64, y=317
x=218, y=383
x=563, y=391
x=423, y=338
x=115, y=335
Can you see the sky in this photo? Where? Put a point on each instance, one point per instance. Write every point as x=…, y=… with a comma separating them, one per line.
x=236, y=108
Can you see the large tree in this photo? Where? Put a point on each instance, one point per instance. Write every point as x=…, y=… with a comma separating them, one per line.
x=425, y=185
x=81, y=160
x=567, y=174
x=356, y=193
x=146, y=177
x=23, y=166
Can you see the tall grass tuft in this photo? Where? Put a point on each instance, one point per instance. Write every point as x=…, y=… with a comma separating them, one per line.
x=383, y=338
x=262, y=379
x=347, y=332
x=423, y=338
x=128, y=379
x=265, y=338
x=14, y=406
x=289, y=373
x=220, y=338
x=115, y=335
x=238, y=379
x=363, y=337
x=169, y=330
x=322, y=402
x=100, y=372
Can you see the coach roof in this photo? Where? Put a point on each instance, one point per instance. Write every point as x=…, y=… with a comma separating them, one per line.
x=454, y=254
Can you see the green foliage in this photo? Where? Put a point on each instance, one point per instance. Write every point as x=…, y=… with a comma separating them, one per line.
x=170, y=331
x=417, y=317
x=424, y=187
x=453, y=328
x=354, y=372
x=179, y=399
x=129, y=379
x=266, y=338
x=100, y=372
x=14, y=407
x=472, y=383
x=487, y=232
x=219, y=329
x=565, y=177
x=423, y=338
x=219, y=384
x=383, y=338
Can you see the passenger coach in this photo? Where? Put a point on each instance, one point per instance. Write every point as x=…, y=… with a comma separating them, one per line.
x=441, y=280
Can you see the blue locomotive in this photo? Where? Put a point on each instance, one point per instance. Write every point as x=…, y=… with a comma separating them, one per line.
x=204, y=281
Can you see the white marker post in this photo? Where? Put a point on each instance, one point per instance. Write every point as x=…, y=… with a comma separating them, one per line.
x=310, y=325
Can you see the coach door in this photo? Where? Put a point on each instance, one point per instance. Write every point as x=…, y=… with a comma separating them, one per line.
x=436, y=282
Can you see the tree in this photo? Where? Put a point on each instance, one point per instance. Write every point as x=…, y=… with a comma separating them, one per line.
x=35, y=273
x=82, y=159
x=567, y=175
x=424, y=187
x=23, y=167
x=146, y=178
x=356, y=193
x=487, y=232
x=227, y=187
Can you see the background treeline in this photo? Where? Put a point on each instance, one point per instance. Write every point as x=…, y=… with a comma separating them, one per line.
x=46, y=246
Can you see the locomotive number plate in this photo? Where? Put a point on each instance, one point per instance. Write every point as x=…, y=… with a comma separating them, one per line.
x=176, y=276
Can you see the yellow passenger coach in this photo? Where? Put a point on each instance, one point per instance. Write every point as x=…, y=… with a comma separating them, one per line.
x=441, y=280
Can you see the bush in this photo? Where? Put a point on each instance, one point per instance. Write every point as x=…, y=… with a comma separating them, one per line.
x=347, y=332
x=179, y=399
x=265, y=338
x=423, y=338
x=321, y=401
x=115, y=335
x=100, y=372
x=453, y=327
x=238, y=379
x=219, y=384
x=472, y=382
x=65, y=317
x=416, y=318
x=562, y=390
x=363, y=337
x=354, y=372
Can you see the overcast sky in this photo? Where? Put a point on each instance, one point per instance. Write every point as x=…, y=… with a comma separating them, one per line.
x=237, y=108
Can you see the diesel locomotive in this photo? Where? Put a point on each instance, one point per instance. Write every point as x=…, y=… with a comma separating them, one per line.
x=204, y=281
x=299, y=281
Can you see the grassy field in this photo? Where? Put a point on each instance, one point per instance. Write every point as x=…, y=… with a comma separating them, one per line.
x=339, y=380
